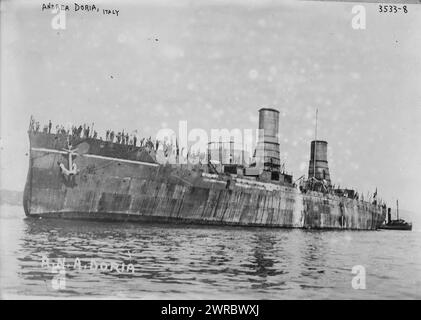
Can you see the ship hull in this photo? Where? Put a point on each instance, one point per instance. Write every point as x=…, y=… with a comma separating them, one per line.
x=396, y=227
x=129, y=187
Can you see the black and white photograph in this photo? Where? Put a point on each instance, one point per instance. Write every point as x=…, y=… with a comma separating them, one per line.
x=210, y=150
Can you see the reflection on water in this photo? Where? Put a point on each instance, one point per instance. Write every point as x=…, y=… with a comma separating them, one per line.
x=202, y=262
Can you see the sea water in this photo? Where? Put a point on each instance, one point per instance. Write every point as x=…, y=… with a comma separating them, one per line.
x=48, y=258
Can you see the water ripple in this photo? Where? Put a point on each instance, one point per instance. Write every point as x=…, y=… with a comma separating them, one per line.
x=194, y=262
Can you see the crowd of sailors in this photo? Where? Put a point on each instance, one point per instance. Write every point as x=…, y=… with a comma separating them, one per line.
x=86, y=131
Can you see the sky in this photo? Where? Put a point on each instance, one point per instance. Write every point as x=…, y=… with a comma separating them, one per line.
x=214, y=64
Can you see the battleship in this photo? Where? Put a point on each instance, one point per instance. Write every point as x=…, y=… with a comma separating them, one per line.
x=74, y=176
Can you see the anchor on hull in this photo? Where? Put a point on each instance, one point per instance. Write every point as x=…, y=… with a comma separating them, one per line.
x=70, y=172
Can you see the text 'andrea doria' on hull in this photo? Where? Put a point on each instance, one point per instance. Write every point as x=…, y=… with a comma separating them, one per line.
x=74, y=174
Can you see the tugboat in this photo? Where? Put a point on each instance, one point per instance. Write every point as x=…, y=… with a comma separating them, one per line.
x=398, y=224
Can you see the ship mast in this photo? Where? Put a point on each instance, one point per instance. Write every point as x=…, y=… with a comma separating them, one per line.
x=315, y=147
x=397, y=209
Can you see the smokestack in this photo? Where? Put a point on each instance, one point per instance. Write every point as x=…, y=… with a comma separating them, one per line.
x=268, y=145
x=318, y=166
